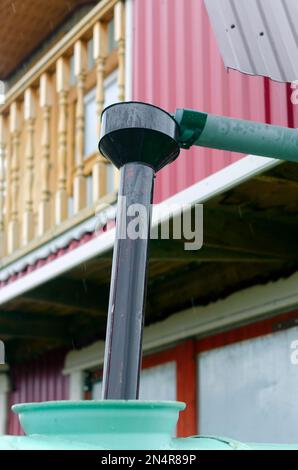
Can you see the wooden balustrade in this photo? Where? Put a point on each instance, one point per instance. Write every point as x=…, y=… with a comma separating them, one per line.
x=2, y=183
x=62, y=86
x=14, y=183
x=43, y=168
x=99, y=172
x=45, y=102
x=80, y=66
x=29, y=118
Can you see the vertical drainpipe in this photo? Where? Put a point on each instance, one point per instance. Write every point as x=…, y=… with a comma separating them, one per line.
x=139, y=139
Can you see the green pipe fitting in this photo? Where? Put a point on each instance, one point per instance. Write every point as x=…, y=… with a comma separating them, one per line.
x=236, y=135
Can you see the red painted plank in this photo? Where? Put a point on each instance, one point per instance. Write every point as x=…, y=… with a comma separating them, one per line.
x=187, y=388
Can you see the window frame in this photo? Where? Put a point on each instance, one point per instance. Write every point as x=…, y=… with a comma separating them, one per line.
x=111, y=65
x=235, y=335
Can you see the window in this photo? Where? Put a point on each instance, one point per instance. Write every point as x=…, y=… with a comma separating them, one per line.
x=70, y=207
x=89, y=189
x=159, y=382
x=110, y=178
x=90, y=135
x=248, y=390
x=90, y=58
x=96, y=391
x=111, y=89
x=111, y=35
x=111, y=96
x=163, y=375
x=72, y=78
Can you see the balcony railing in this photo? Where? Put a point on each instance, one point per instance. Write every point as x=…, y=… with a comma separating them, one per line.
x=50, y=169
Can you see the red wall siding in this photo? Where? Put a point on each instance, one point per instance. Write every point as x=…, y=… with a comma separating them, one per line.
x=177, y=64
x=39, y=380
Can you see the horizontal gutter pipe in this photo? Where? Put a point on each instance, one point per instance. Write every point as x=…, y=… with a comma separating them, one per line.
x=236, y=135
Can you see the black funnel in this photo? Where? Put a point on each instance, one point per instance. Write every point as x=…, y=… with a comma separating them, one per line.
x=138, y=132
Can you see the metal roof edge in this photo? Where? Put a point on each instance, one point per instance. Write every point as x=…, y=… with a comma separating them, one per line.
x=255, y=39
x=61, y=241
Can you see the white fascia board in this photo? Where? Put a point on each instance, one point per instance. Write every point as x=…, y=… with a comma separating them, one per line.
x=200, y=192
x=219, y=182
x=246, y=306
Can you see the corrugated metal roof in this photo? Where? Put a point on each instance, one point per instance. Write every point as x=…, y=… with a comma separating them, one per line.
x=258, y=37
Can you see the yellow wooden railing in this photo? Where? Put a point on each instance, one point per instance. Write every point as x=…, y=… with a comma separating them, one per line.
x=43, y=165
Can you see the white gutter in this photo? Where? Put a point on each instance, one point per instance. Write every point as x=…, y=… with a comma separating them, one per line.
x=217, y=183
x=200, y=192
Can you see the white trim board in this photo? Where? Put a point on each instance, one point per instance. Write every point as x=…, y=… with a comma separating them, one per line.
x=200, y=192
x=251, y=304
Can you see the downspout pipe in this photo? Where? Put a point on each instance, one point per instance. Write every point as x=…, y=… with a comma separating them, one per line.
x=236, y=135
x=139, y=139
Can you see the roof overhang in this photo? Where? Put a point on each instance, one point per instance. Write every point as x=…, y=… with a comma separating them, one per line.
x=27, y=24
x=250, y=237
